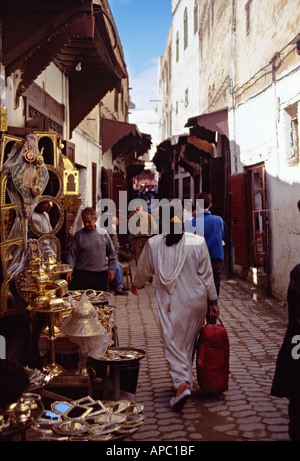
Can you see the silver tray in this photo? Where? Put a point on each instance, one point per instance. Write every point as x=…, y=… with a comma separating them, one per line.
x=71, y=427
x=116, y=406
x=94, y=296
x=110, y=418
x=98, y=430
x=133, y=420
x=123, y=355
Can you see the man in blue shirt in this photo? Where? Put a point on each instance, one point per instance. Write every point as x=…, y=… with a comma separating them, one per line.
x=213, y=229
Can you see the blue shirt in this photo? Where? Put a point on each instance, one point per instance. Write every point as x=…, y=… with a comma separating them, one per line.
x=212, y=228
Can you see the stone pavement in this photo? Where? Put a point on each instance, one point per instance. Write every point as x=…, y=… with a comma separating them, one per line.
x=246, y=411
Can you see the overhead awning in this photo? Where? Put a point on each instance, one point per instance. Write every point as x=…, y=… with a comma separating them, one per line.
x=79, y=36
x=34, y=29
x=123, y=138
x=102, y=66
x=206, y=125
x=131, y=144
x=186, y=146
x=134, y=168
x=112, y=131
x=184, y=139
x=201, y=144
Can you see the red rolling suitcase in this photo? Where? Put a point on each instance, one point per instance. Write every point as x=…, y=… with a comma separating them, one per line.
x=212, y=362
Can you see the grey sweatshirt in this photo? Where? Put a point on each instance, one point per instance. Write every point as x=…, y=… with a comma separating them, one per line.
x=89, y=249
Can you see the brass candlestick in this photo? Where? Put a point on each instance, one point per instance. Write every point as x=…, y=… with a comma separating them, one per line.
x=53, y=367
x=44, y=301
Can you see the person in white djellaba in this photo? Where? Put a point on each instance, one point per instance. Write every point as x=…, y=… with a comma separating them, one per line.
x=184, y=283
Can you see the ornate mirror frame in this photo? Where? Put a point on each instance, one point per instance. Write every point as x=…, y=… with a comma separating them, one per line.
x=48, y=198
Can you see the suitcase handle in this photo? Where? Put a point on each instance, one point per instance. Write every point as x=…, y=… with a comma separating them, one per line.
x=218, y=318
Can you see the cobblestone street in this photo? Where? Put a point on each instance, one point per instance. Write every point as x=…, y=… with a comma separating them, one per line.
x=246, y=411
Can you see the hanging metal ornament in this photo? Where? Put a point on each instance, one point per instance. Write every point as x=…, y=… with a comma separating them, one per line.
x=30, y=176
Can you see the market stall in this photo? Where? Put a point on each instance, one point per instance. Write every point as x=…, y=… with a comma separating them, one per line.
x=77, y=324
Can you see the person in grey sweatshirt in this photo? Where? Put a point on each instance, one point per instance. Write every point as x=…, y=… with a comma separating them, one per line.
x=89, y=249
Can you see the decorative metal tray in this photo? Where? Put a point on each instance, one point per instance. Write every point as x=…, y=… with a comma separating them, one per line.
x=125, y=406
x=95, y=297
x=109, y=419
x=97, y=430
x=116, y=406
x=123, y=355
x=73, y=427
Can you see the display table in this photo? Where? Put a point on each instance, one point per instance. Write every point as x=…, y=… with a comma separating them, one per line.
x=117, y=359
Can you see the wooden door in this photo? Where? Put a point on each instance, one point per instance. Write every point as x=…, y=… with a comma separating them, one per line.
x=239, y=216
x=106, y=183
x=258, y=196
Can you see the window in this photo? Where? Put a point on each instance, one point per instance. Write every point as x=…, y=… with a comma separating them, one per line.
x=177, y=46
x=42, y=111
x=196, y=13
x=185, y=28
x=247, y=8
x=186, y=98
x=170, y=63
x=293, y=139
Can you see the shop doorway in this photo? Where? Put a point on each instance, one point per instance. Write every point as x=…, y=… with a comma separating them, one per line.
x=249, y=221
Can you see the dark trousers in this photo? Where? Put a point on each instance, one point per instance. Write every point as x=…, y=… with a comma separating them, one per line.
x=138, y=245
x=84, y=280
x=217, y=271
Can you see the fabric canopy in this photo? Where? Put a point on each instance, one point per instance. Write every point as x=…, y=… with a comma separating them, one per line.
x=213, y=122
x=112, y=131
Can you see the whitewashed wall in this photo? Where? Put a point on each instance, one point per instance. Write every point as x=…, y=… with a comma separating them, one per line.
x=260, y=131
x=185, y=72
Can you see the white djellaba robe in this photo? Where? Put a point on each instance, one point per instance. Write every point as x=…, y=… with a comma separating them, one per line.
x=183, y=284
